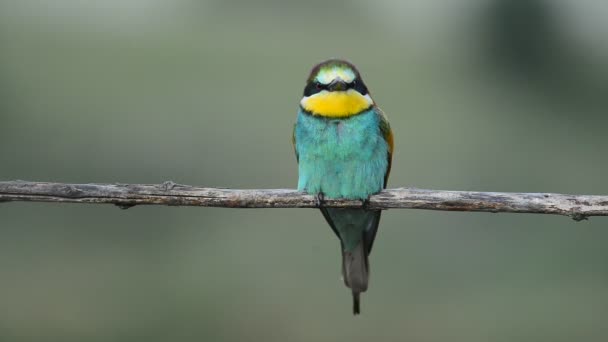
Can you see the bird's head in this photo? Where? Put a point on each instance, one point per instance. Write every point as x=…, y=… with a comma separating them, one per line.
x=335, y=89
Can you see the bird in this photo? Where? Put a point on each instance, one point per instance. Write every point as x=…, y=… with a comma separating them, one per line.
x=344, y=145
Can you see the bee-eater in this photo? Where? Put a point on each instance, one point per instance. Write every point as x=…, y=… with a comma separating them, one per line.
x=344, y=144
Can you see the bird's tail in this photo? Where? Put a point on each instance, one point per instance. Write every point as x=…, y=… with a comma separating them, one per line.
x=355, y=271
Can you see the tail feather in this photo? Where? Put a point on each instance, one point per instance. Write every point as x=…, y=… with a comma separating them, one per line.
x=356, y=229
x=356, y=303
x=355, y=271
x=355, y=268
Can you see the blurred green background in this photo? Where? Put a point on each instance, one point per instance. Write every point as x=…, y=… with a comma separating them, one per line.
x=489, y=95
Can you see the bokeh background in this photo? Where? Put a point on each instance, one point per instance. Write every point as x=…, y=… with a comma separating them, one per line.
x=489, y=95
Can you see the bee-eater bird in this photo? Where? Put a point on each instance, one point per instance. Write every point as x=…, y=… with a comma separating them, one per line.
x=344, y=144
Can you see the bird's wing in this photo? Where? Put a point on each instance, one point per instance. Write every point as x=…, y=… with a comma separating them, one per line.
x=331, y=223
x=293, y=142
x=387, y=134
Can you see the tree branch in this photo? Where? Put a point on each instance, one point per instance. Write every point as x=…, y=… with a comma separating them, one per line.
x=578, y=207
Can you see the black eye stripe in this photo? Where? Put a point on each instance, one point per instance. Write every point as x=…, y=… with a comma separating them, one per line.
x=316, y=87
x=359, y=86
x=312, y=88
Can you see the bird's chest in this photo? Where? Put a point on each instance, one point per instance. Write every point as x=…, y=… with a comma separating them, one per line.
x=337, y=139
x=341, y=157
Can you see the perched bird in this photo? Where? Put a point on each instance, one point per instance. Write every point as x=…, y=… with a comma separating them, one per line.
x=344, y=144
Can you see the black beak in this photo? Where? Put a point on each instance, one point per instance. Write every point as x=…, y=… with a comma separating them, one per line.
x=337, y=85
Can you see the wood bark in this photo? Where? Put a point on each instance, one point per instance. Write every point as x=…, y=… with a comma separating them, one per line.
x=578, y=207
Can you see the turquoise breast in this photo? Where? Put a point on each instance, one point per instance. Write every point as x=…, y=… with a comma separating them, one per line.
x=343, y=158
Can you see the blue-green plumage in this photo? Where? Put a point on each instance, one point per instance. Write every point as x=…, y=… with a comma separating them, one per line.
x=343, y=158
x=344, y=144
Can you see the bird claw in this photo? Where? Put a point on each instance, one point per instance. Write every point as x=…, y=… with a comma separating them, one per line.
x=365, y=204
x=320, y=199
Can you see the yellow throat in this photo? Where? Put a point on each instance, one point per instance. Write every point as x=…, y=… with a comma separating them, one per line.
x=336, y=104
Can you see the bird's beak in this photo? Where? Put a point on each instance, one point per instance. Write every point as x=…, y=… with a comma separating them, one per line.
x=337, y=85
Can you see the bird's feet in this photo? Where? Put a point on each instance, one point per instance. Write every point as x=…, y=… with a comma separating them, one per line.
x=320, y=199
x=365, y=204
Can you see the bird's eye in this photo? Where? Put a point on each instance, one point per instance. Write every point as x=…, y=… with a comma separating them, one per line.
x=313, y=88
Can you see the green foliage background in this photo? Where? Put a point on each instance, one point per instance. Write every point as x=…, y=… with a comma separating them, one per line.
x=206, y=93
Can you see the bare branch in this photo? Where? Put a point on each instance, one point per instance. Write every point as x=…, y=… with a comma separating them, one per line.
x=578, y=207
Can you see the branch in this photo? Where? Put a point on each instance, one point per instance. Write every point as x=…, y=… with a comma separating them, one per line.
x=578, y=207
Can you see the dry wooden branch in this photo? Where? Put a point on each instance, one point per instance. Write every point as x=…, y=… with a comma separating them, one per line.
x=578, y=207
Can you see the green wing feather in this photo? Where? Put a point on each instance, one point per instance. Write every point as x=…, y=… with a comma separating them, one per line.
x=387, y=133
x=293, y=142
